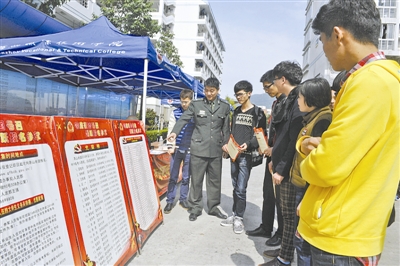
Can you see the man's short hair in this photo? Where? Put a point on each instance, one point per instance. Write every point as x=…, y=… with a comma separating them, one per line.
x=337, y=82
x=268, y=77
x=316, y=92
x=212, y=82
x=186, y=93
x=290, y=70
x=360, y=17
x=243, y=85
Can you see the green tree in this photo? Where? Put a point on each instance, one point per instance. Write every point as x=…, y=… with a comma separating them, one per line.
x=166, y=47
x=231, y=101
x=131, y=16
x=46, y=7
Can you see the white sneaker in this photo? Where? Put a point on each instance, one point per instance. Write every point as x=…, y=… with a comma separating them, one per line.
x=238, y=226
x=228, y=221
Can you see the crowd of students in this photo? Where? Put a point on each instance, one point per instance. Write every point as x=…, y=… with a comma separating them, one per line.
x=332, y=167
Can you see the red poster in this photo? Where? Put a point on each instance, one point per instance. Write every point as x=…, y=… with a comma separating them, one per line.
x=137, y=169
x=36, y=224
x=105, y=229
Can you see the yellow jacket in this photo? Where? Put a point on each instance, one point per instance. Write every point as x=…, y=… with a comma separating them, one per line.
x=354, y=172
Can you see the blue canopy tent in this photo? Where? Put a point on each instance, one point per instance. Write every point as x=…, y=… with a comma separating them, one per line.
x=98, y=56
x=20, y=19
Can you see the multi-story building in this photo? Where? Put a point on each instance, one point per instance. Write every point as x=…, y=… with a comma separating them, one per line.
x=315, y=63
x=76, y=13
x=197, y=37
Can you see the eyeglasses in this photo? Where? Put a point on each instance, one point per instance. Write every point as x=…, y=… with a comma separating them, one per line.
x=269, y=86
x=237, y=95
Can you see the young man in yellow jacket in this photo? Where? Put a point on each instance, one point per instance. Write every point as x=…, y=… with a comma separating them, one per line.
x=353, y=170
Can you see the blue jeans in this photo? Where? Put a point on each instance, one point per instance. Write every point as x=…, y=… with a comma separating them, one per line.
x=240, y=173
x=175, y=165
x=302, y=247
x=320, y=257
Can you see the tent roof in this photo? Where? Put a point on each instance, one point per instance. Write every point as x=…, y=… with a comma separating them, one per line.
x=97, y=55
x=20, y=19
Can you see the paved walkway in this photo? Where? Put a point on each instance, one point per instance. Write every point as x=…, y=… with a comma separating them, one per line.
x=204, y=242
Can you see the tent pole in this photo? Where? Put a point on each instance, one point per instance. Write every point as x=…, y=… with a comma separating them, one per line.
x=146, y=65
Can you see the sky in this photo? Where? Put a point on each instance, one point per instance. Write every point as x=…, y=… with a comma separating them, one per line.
x=257, y=34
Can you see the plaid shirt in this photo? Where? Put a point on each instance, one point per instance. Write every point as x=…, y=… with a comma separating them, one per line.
x=368, y=59
x=373, y=260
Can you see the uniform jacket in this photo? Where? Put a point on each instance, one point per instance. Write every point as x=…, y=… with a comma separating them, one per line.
x=354, y=172
x=211, y=130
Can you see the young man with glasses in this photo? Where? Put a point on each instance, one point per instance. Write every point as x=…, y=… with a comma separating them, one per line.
x=211, y=119
x=287, y=76
x=180, y=153
x=345, y=212
x=245, y=117
x=270, y=194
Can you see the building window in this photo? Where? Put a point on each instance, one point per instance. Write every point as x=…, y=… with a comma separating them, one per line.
x=84, y=3
x=387, y=3
x=386, y=41
x=387, y=12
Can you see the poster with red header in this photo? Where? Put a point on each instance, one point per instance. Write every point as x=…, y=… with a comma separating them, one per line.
x=137, y=168
x=104, y=225
x=36, y=225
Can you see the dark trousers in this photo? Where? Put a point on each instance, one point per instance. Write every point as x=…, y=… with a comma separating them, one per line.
x=320, y=257
x=240, y=174
x=288, y=201
x=212, y=168
x=175, y=165
x=271, y=201
x=302, y=247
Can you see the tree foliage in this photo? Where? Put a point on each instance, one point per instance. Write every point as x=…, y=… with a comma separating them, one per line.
x=231, y=101
x=46, y=7
x=166, y=47
x=131, y=16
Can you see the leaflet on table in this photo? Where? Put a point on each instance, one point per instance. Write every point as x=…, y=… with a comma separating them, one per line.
x=233, y=148
x=261, y=138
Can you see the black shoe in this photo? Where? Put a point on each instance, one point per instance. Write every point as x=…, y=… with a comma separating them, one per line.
x=259, y=231
x=184, y=204
x=218, y=213
x=193, y=217
x=274, y=262
x=168, y=208
x=273, y=253
x=274, y=241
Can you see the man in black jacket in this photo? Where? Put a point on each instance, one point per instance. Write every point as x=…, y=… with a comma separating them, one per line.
x=271, y=197
x=287, y=76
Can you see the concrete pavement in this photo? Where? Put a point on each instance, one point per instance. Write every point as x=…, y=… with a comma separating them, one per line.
x=204, y=242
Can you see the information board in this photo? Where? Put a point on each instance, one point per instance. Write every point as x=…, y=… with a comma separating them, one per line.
x=138, y=171
x=105, y=229
x=36, y=225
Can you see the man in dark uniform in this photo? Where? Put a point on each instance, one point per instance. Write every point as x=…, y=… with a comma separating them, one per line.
x=211, y=133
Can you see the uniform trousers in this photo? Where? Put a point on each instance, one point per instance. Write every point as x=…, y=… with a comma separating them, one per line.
x=212, y=169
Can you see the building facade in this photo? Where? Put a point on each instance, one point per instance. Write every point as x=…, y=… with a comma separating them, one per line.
x=197, y=37
x=315, y=63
